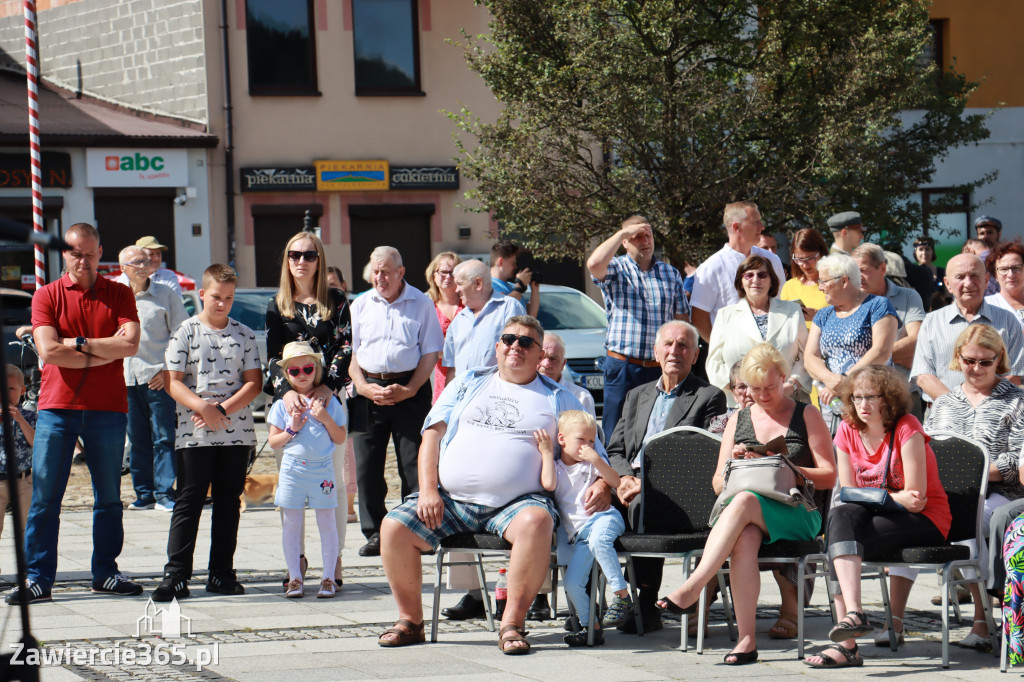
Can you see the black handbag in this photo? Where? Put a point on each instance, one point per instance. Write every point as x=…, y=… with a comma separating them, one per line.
x=358, y=414
x=875, y=499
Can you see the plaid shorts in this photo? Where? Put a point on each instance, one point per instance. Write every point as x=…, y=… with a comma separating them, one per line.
x=463, y=517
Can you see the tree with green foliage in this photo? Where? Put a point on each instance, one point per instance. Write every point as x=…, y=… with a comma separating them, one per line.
x=673, y=108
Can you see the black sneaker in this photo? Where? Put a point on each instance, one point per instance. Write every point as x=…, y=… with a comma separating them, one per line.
x=576, y=639
x=30, y=594
x=119, y=584
x=173, y=586
x=224, y=582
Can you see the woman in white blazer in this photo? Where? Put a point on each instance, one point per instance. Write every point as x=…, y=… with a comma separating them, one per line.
x=759, y=317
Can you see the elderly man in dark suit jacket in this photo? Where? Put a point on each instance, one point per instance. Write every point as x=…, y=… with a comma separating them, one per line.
x=678, y=398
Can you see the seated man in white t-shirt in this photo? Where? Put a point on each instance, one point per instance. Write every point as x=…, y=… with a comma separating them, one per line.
x=479, y=470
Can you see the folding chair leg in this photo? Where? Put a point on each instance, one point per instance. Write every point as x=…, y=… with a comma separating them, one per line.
x=554, y=589
x=684, y=622
x=569, y=604
x=800, y=587
x=631, y=570
x=1002, y=648
x=946, y=589
x=883, y=583
x=730, y=618
x=484, y=592
x=436, y=611
x=596, y=588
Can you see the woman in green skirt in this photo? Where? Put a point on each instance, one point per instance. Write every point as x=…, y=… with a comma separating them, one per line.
x=750, y=520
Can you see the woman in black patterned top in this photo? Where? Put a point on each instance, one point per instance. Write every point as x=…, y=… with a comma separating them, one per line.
x=305, y=309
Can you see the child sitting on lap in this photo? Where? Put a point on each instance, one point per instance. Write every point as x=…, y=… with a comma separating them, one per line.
x=307, y=468
x=591, y=536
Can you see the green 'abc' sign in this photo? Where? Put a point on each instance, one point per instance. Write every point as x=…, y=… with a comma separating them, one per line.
x=134, y=163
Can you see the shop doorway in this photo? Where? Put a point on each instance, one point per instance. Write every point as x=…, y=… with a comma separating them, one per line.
x=17, y=261
x=124, y=215
x=273, y=226
x=404, y=226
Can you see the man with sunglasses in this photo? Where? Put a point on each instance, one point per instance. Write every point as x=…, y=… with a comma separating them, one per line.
x=396, y=339
x=966, y=279
x=480, y=472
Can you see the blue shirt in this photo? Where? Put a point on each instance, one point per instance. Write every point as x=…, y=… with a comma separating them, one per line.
x=845, y=340
x=662, y=404
x=312, y=440
x=637, y=302
x=502, y=287
x=471, y=337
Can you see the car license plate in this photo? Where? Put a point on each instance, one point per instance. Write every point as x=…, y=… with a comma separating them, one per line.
x=595, y=381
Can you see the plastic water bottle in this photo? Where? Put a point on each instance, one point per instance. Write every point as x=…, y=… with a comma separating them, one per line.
x=836, y=405
x=500, y=594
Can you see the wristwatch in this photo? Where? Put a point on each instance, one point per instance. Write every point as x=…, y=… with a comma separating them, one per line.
x=79, y=343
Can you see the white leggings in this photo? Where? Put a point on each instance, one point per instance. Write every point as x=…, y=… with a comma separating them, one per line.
x=292, y=531
x=341, y=511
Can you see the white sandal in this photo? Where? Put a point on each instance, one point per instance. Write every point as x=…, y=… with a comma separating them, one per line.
x=882, y=638
x=976, y=641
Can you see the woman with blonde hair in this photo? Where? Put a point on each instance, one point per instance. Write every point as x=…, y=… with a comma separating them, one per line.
x=750, y=520
x=305, y=309
x=441, y=290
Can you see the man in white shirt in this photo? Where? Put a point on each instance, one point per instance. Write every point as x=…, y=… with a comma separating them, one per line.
x=396, y=339
x=714, y=282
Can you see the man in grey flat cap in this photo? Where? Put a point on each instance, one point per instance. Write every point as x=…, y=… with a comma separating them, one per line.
x=847, y=232
x=989, y=230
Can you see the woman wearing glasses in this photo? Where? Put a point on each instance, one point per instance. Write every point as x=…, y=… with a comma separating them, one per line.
x=855, y=330
x=878, y=445
x=1006, y=264
x=990, y=410
x=305, y=309
x=759, y=317
x=441, y=290
x=807, y=248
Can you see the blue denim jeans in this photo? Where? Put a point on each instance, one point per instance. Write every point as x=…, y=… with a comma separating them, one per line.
x=102, y=435
x=619, y=378
x=151, y=424
x=596, y=539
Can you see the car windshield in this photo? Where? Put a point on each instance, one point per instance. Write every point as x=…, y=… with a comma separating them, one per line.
x=250, y=308
x=568, y=310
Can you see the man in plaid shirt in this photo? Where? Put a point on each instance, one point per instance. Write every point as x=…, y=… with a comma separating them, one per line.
x=640, y=294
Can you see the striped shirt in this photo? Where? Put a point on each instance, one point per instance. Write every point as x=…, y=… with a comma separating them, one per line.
x=938, y=333
x=997, y=423
x=637, y=302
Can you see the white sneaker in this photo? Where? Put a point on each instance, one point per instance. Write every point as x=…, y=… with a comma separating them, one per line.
x=164, y=506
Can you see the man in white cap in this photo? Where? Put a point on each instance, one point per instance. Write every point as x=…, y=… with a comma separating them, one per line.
x=159, y=274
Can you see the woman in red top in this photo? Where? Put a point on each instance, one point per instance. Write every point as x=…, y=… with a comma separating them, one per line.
x=875, y=421
x=441, y=289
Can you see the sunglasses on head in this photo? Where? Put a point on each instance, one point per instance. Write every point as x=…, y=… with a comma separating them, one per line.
x=308, y=256
x=305, y=369
x=524, y=341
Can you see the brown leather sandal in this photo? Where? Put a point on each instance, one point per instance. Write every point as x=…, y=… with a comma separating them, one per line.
x=512, y=633
x=406, y=632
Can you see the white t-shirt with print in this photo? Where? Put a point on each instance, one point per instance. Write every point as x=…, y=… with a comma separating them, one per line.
x=572, y=483
x=493, y=457
x=213, y=362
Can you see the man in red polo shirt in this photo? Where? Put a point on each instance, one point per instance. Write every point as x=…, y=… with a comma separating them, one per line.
x=84, y=325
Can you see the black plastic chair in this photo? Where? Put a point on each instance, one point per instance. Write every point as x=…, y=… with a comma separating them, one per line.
x=963, y=469
x=676, y=470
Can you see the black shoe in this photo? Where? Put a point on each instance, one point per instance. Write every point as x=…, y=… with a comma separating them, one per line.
x=372, y=546
x=468, y=607
x=117, y=583
x=173, y=586
x=575, y=639
x=30, y=594
x=652, y=621
x=224, y=582
x=539, y=610
x=572, y=623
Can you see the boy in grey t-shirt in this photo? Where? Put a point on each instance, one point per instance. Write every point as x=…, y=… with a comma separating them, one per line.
x=214, y=374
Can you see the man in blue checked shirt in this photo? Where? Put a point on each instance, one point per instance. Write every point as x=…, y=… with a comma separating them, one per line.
x=640, y=294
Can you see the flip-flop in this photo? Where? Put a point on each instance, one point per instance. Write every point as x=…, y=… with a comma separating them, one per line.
x=850, y=658
x=406, y=631
x=512, y=633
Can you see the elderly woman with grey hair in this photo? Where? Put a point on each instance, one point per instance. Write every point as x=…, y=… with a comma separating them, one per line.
x=854, y=330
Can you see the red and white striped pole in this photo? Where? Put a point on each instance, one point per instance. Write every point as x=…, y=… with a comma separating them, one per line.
x=32, y=70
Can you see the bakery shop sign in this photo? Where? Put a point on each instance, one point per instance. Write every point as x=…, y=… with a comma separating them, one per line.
x=301, y=179
x=424, y=177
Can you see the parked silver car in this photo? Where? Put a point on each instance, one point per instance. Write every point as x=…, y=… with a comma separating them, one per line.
x=581, y=323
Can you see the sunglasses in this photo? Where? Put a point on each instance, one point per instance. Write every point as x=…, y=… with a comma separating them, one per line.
x=308, y=256
x=524, y=341
x=305, y=369
x=971, y=362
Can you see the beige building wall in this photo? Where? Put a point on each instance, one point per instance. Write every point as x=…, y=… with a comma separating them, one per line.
x=295, y=131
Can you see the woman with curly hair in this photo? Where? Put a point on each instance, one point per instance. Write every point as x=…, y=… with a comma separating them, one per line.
x=878, y=445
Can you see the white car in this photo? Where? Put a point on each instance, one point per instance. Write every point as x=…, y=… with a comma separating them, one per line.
x=581, y=323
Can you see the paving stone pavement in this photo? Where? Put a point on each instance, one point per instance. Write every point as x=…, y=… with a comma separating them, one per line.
x=263, y=636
